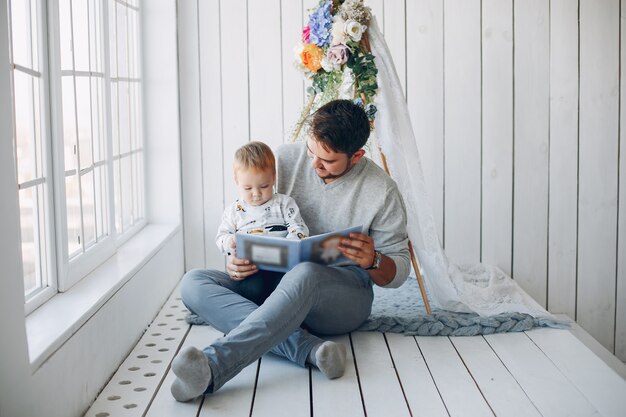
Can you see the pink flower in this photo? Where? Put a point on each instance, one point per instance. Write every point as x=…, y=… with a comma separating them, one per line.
x=338, y=54
x=306, y=34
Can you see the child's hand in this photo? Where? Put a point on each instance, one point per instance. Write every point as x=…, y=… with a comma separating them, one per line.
x=238, y=269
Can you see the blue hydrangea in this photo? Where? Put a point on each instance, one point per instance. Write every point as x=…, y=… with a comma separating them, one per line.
x=320, y=23
x=370, y=110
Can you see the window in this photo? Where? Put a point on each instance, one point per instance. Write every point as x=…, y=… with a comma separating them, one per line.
x=78, y=136
x=32, y=146
x=126, y=111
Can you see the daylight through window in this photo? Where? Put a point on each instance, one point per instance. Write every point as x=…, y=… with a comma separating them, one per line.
x=78, y=135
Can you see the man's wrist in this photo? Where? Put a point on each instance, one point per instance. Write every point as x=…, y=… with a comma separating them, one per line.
x=378, y=258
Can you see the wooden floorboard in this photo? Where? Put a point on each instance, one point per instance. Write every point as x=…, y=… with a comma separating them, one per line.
x=418, y=385
x=543, y=372
x=325, y=393
x=235, y=398
x=282, y=389
x=546, y=386
x=458, y=390
x=599, y=384
x=504, y=395
x=382, y=391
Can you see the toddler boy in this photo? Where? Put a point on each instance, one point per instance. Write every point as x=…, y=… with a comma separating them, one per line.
x=258, y=210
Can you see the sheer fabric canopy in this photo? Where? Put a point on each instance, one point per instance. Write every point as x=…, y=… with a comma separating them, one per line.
x=480, y=288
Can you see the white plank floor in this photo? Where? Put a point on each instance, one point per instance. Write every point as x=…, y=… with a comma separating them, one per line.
x=543, y=372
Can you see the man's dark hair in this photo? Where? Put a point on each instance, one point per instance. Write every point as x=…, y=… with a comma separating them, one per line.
x=341, y=126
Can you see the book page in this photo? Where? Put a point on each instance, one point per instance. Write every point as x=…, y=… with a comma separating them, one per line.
x=323, y=248
x=268, y=253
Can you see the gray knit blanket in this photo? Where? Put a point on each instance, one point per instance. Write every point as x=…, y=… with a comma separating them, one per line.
x=402, y=310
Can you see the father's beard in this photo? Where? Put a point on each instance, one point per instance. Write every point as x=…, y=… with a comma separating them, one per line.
x=328, y=177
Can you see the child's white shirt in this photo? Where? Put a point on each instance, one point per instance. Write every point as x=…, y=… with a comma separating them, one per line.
x=279, y=217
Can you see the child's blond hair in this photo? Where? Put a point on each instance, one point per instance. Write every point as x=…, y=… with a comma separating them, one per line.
x=255, y=155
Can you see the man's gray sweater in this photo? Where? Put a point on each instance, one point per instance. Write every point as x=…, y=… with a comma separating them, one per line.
x=365, y=195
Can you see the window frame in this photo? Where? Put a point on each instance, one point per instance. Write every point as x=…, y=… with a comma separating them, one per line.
x=49, y=285
x=127, y=233
x=72, y=270
x=64, y=271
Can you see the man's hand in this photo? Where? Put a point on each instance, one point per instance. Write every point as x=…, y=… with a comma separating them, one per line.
x=359, y=248
x=238, y=269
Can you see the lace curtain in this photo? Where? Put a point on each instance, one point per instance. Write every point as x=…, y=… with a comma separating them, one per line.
x=479, y=288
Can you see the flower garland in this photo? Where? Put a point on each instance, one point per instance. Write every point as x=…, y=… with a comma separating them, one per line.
x=335, y=55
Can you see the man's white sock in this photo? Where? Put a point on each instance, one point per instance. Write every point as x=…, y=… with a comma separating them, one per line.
x=191, y=366
x=330, y=358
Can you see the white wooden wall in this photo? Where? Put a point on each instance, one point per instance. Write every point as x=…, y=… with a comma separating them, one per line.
x=517, y=108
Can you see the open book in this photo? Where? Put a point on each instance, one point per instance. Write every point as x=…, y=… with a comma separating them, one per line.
x=280, y=254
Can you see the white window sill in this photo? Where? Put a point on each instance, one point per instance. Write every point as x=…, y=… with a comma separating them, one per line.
x=54, y=323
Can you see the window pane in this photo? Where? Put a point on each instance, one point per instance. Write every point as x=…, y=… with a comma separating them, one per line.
x=135, y=116
x=122, y=41
x=30, y=134
x=127, y=195
x=42, y=260
x=89, y=214
x=141, y=193
x=37, y=97
x=133, y=185
x=124, y=117
x=132, y=117
x=69, y=122
x=127, y=130
x=33, y=233
x=115, y=119
x=72, y=198
x=83, y=101
x=133, y=71
x=34, y=28
x=97, y=119
x=25, y=127
x=112, y=38
x=65, y=35
x=80, y=26
x=95, y=58
x=28, y=223
x=21, y=33
x=102, y=212
x=118, y=195
x=137, y=185
x=138, y=112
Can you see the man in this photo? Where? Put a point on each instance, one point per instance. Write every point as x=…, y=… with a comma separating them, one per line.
x=336, y=188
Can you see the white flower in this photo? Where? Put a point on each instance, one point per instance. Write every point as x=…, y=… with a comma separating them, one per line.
x=355, y=10
x=338, y=33
x=329, y=66
x=346, y=89
x=354, y=30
